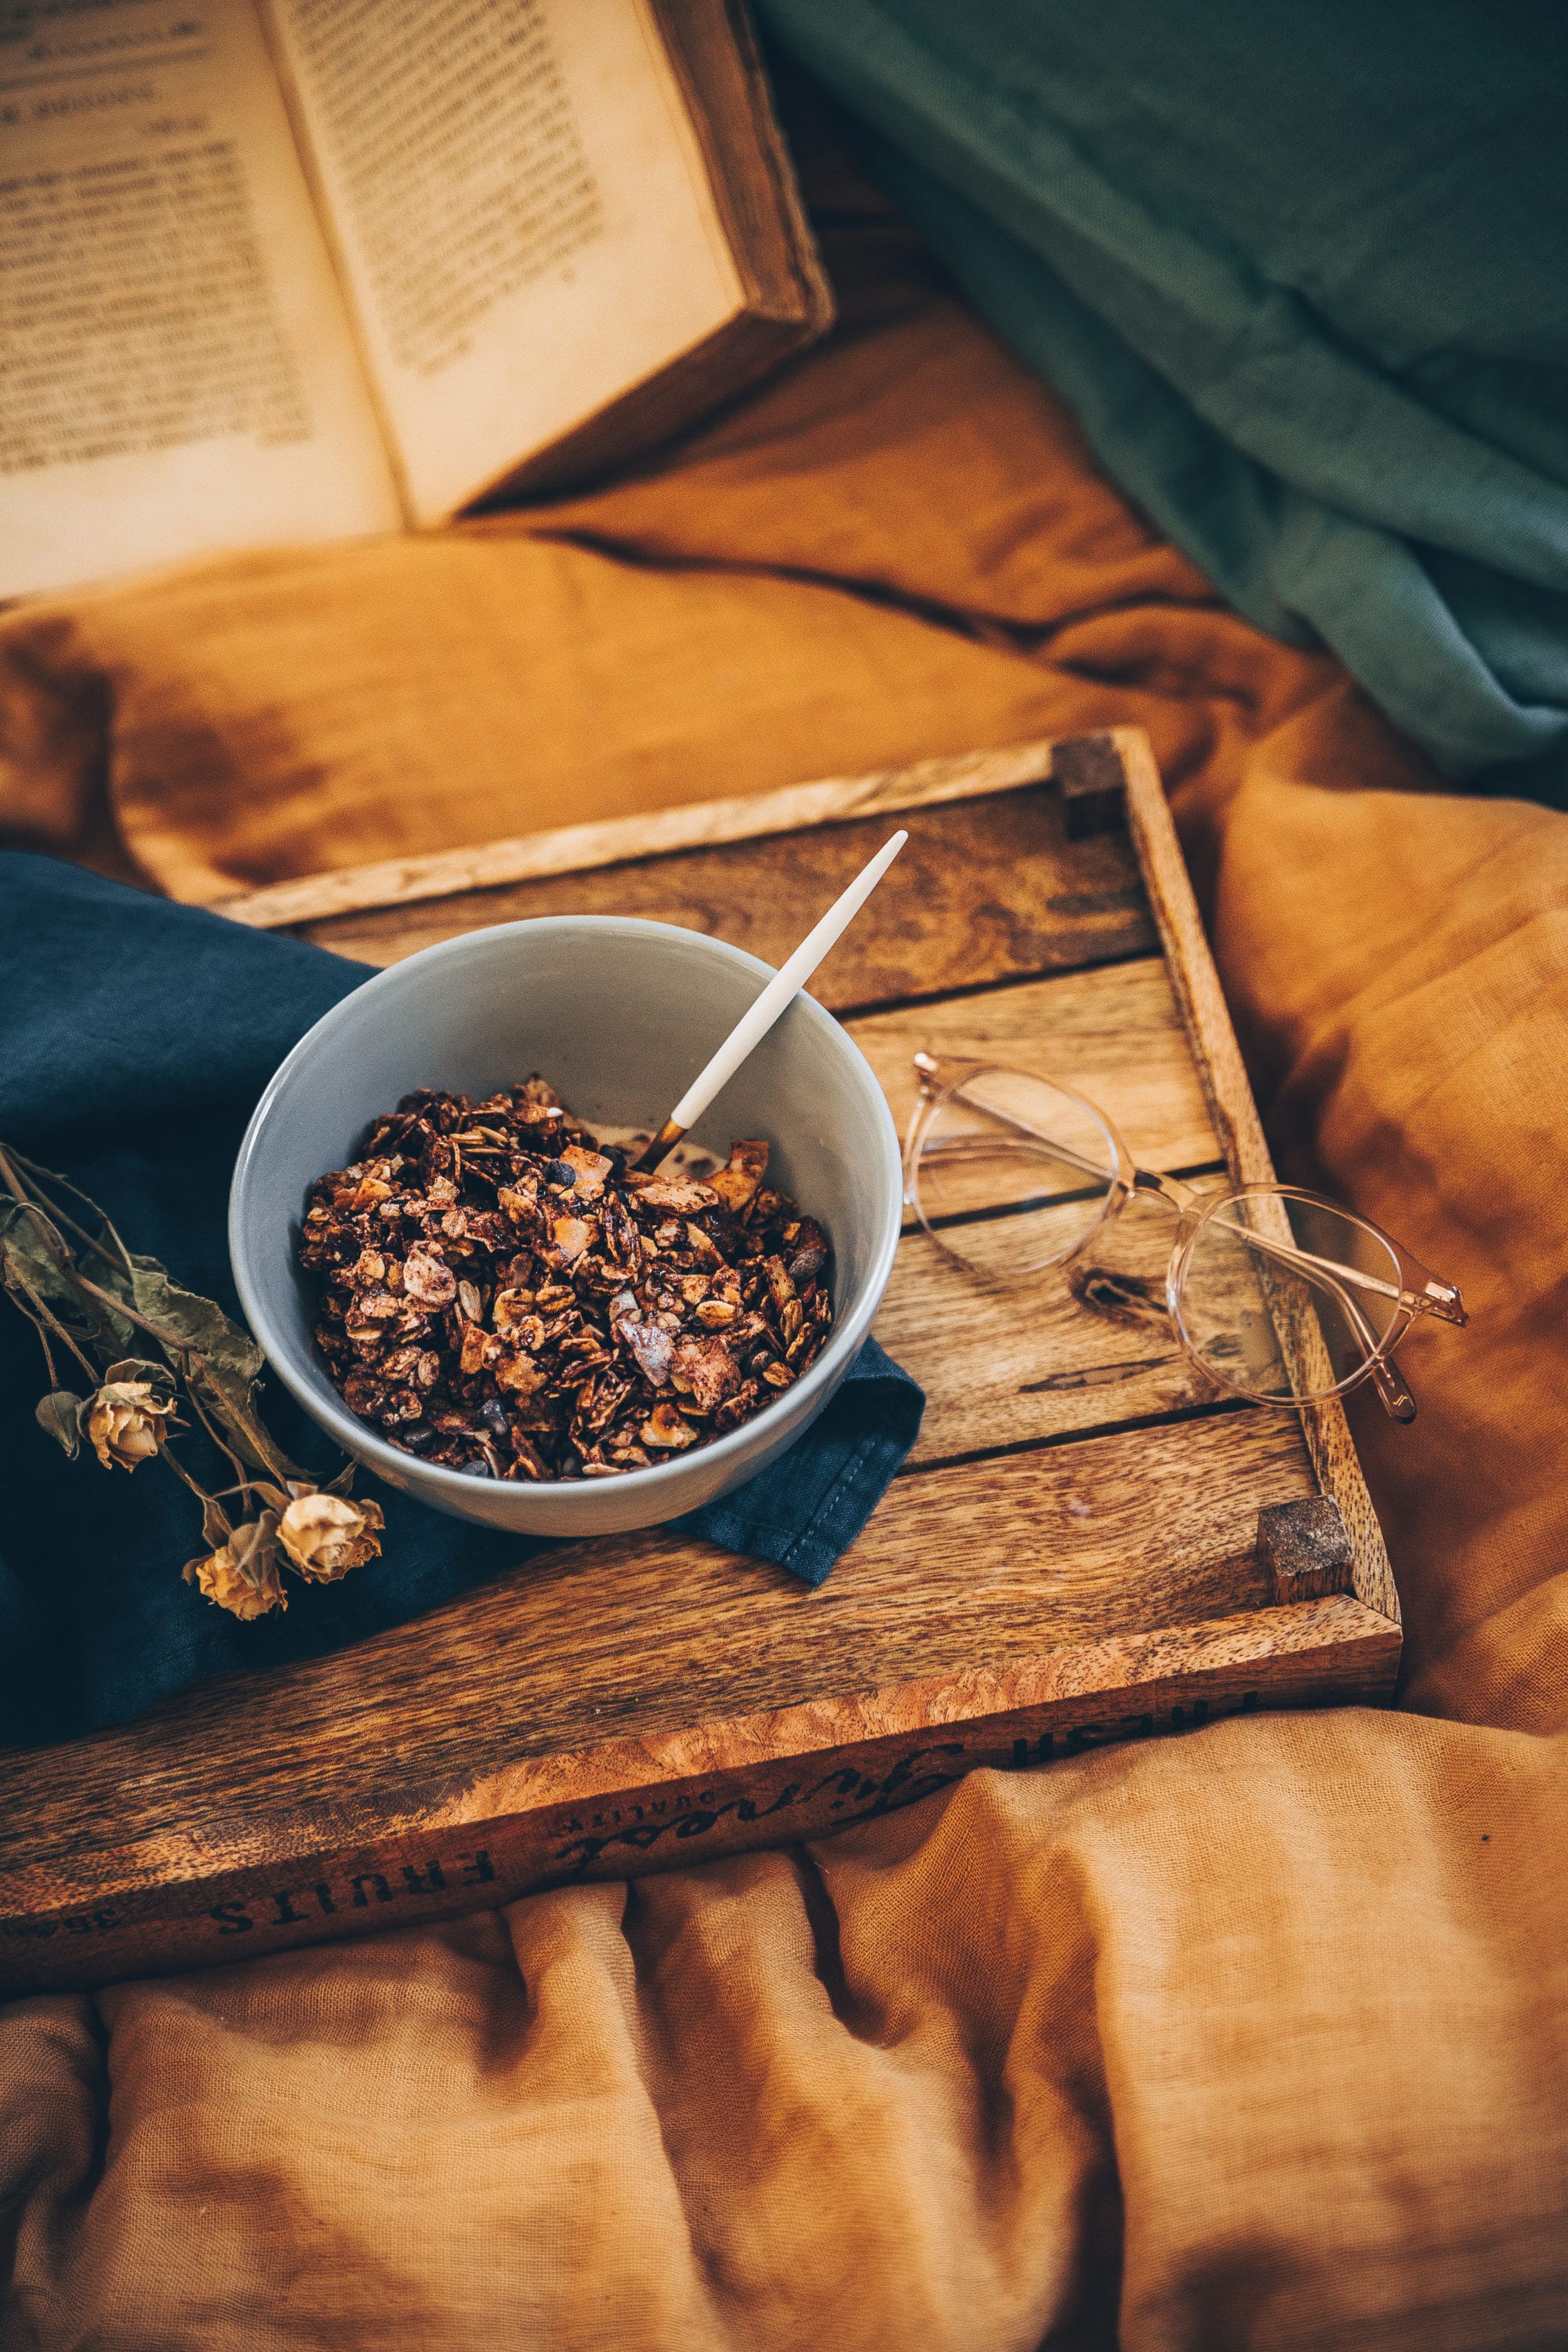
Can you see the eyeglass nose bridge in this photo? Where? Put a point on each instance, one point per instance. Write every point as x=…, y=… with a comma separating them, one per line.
x=1152, y=1183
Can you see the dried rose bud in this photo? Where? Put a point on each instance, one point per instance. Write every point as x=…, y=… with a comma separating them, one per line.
x=126, y=1421
x=242, y=1575
x=325, y=1535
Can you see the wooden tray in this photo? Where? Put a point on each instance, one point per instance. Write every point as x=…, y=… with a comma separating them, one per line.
x=1083, y=1547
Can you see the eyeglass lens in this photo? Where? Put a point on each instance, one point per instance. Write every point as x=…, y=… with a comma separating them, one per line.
x=1012, y=1172
x=1238, y=1295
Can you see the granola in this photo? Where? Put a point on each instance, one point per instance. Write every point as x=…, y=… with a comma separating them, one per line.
x=502, y=1294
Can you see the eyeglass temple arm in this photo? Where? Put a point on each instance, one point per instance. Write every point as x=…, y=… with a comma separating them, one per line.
x=1394, y=1396
x=1438, y=1298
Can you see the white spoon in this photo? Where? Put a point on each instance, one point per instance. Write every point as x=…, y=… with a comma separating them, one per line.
x=755, y=1024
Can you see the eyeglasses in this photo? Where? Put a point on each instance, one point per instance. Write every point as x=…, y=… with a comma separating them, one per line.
x=1276, y=1294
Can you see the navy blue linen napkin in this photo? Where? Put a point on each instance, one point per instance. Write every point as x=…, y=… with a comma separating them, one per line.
x=135, y=1036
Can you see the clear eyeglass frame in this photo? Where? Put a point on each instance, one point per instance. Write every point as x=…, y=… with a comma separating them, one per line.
x=1259, y=1225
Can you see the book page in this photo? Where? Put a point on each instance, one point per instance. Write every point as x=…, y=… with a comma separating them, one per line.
x=177, y=369
x=523, y=219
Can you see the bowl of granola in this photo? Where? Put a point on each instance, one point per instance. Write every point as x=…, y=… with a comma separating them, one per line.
x=449, y=1256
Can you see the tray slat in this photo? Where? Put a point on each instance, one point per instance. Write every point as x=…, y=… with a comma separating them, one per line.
x=985, y=890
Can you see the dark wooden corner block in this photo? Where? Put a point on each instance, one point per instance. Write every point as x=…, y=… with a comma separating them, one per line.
x=1087, y=773
x=1304, y=1548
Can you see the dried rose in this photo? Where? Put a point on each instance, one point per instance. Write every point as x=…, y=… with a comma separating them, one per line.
x=242, y=1575
x=325, y=1536
x=127, y=1421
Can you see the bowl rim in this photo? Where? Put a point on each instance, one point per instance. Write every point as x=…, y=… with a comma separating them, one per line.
x=356, y=1437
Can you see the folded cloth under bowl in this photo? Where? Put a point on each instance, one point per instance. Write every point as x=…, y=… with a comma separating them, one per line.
x=137, y=1036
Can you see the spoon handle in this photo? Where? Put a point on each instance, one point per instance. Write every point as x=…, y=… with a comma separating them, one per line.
x=785, y=984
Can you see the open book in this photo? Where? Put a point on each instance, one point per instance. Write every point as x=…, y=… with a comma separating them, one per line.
x=278, y=269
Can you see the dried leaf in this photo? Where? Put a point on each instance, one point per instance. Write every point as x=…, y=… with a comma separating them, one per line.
x=140, y=1368
x=229, y=1353
x=216, y=1526
x=36, y=1264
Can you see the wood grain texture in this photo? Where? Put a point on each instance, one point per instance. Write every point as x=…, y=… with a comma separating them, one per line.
x=984, y=891
x=1304, y=1548
x=1089, y=775
x=1217, y=1058
x=1005, y=1363
x=1115, y=1035
x=656, y=1633
x=1070, y=1557
x=579, y=848
x=627, y=1808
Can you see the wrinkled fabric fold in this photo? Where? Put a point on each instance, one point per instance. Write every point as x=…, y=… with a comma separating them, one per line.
x=1255, y=2036
x=1300, y=279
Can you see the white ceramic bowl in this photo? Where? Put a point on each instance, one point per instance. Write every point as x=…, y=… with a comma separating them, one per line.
x=619, y=1015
